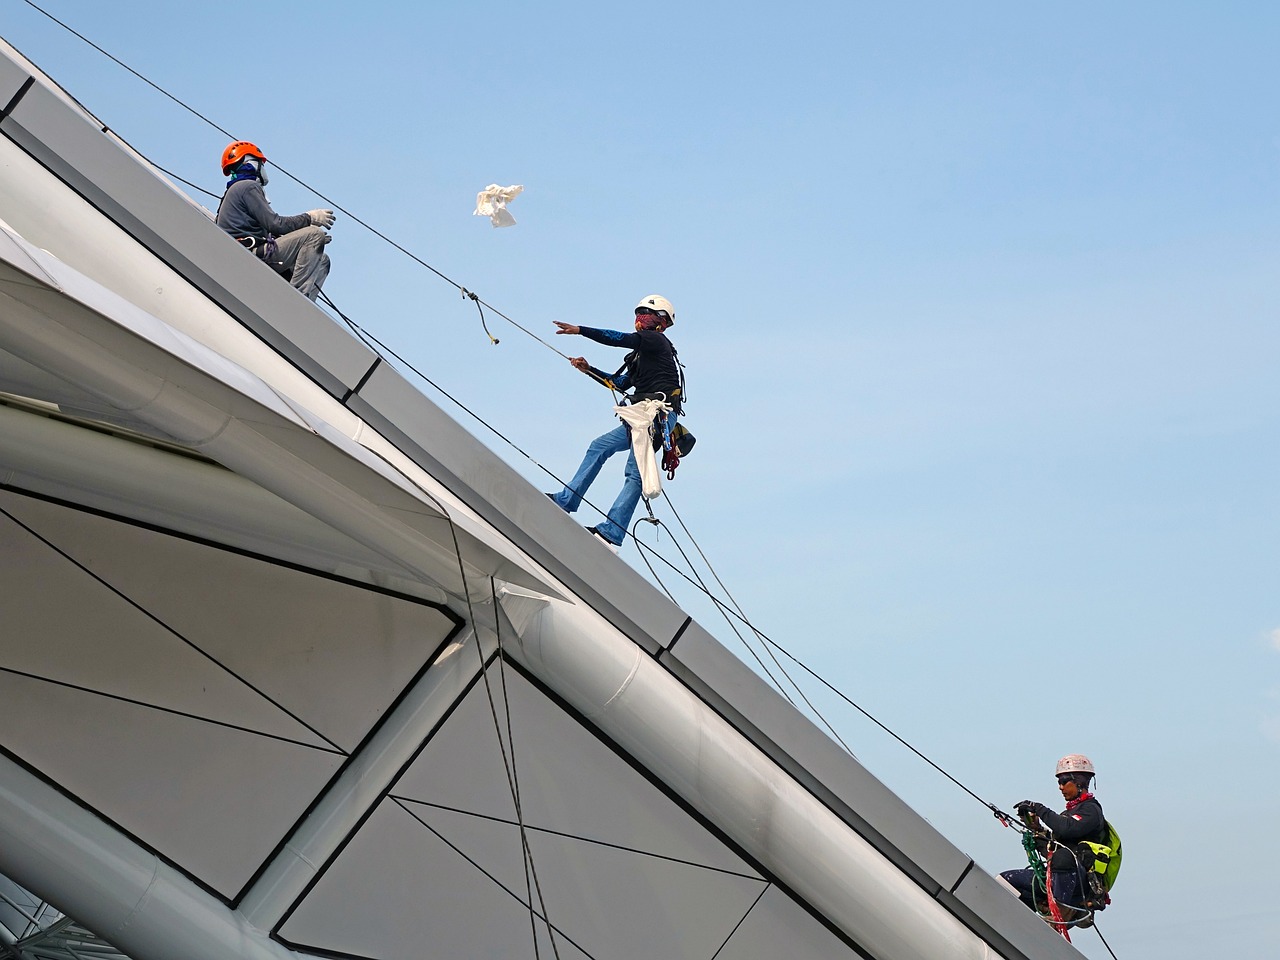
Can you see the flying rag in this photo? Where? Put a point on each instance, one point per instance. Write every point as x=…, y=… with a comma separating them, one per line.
x=492, y=202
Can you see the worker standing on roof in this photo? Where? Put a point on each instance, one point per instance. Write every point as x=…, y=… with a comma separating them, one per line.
x=292, y=246
x=650, y=371
x=1082, y=820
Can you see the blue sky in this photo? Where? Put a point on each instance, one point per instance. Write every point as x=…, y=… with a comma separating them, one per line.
x=978, y=304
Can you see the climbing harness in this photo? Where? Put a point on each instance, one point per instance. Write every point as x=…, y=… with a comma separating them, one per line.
x=1097, y=865
x=264, y=248
x=1042, y=873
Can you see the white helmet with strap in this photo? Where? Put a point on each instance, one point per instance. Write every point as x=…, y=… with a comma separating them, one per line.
x=658, y=304
x=1075, y=763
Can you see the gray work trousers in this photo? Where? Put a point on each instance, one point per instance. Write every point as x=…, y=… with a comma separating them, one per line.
x=300, y=256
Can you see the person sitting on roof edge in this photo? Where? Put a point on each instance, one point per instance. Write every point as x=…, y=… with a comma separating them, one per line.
x=292, y=246
x=650, y=371
x=1082, y=820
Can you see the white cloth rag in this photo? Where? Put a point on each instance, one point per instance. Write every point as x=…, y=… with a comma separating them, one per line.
x=640, y=418
x=492, y=202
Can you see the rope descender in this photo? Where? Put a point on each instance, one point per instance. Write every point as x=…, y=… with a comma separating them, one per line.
x=650, y=518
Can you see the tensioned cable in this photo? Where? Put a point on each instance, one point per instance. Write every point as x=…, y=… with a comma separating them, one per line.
x=480, y=302
x=1104, y=940
x=169, y=710
x=759, y=635
x=725, y=611
x=167, y=628
x=193, y=186
x=808, y=703
x=401, y=803
x=592, y=841
x=526, y=851
x=703, y=587
x=653, y=573
x=515, y=778
x=383, y=350
x=826, y=683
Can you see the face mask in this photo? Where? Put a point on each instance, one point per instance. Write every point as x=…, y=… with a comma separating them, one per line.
x=648, y=321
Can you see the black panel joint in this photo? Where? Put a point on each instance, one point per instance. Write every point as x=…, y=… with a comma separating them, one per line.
x=960, y=879
x=363, y=380
x=679, y=633
x=17, y=98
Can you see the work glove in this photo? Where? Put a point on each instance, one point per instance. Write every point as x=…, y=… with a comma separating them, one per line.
x=1029, y=806
x=321, y=218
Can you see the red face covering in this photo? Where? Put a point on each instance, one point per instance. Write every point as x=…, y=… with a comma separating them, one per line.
x=649, y=321
x=1080, y=798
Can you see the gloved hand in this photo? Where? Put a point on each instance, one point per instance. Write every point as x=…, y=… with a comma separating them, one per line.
x=321, y=218
x=1029, y=806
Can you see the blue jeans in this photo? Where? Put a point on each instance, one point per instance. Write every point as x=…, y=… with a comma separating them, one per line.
x=601, y=449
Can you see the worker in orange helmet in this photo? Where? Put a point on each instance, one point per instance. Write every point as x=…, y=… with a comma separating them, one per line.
x=292, y=246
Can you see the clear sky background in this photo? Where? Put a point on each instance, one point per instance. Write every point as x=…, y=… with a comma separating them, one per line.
x=978, y=305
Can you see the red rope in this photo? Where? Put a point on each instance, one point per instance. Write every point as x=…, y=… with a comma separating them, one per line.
x=1058, y=923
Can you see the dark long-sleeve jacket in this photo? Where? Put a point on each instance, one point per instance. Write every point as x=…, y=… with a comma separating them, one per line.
x=649, y=370
x=245, y=212
x=1080, y=821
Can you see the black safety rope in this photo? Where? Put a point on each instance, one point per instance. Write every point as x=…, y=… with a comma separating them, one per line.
x=382, y=350
x=697, y=583
x=508, y=764
x=305, y=185
x=515, y=786
x=1104, y=940
x=196, y=187
x=643, y=548
x=759, y=636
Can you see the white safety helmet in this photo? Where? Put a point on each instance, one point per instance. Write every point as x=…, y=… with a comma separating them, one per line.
x=658, y=303
x=1075, y=763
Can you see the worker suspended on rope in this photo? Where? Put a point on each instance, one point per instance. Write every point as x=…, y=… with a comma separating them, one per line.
x=651, y=371
x=292, y=246
x=1082, y=850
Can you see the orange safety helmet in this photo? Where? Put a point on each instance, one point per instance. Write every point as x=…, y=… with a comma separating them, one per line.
x=237, y=151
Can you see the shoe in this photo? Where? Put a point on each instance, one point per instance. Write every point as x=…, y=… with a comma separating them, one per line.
x=552, y=498
x=595, y=532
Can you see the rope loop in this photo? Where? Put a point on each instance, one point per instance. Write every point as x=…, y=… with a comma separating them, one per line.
x=475, y=298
